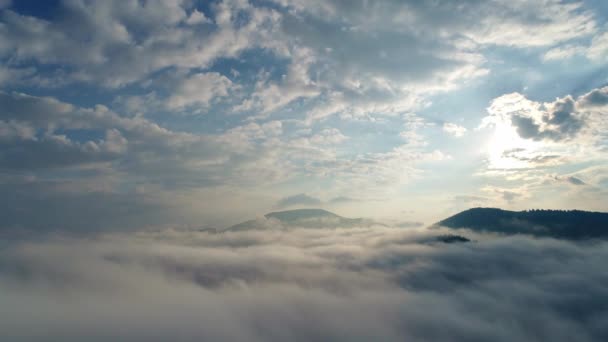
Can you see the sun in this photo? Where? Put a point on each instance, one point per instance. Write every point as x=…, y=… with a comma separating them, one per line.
x=507, y=150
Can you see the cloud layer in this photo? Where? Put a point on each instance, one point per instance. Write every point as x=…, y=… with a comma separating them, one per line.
x=312, y=284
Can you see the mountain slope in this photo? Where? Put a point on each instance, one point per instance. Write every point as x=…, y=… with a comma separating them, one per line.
x=571, y=224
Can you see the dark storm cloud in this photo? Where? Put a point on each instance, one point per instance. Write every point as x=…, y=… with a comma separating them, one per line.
x=331, y=285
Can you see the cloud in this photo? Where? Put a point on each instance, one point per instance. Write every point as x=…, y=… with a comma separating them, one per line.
x=562, y=52
x=48, y=133
x=47, y=207
x=575, y=181
x=306, y=200
x=596, y=97
x=409, y=224
x=197, y=18
x=298, y=200
x=454, y=129
x=199, y=89
x=531, y=139
x=343, y=199
x=128, y=41
x=333, y=285
x=519, y=27
x=509, y=195
x=375, y=79
x=565, y=119
x=120, y=154
x=596, y=51
x=470, y=199
x=536, y=158
x=559, y=122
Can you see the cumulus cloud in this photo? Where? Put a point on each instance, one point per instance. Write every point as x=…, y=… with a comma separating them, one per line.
x=565, y=119
x=199, y=89
x=531, y=140
x=331, y=285
x=596, y=98
x=558, y=122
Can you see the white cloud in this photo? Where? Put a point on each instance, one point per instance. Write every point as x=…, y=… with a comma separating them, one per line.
x=127, y=41
x=199, y=90
x=454, y=129
x=328, y=136
x=598, y=51
x=565, y=118
x=563, y=52
x=337, y=284
x=197, y=18
x=269, y=96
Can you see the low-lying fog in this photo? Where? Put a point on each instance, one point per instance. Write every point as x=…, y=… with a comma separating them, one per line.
x=355, y=284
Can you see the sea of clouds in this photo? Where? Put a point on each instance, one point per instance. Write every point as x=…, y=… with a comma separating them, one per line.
x=356, y=284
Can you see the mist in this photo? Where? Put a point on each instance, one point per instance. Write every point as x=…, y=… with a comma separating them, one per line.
x=303, y=284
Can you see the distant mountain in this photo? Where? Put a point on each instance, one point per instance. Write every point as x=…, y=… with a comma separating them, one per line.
x=307, y=218
x=562, y=224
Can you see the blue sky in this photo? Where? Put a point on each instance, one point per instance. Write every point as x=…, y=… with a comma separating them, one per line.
x=129, y=114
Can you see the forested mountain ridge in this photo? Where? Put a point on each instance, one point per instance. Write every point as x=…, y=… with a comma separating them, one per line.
x=564, y=224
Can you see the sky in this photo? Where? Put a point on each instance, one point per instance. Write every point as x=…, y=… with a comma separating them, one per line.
x=119, y=115
x=136, y=135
